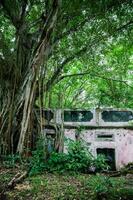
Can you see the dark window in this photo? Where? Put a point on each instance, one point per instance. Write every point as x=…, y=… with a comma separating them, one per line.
x=109, y=155
x=117, y=116
x=104, y=137
x=48, y=114
x=78, y=116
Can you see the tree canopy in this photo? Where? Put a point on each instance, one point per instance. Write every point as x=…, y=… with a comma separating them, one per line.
x=65, y=53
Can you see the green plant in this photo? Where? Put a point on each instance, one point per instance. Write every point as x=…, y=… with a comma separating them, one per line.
x=103, y=187
x=100, y=184
x=79, y=130
x=57, y=162
x=37, y=161
x=100, y=163
x=77, y=159
x=10, y=161
x=127, y=169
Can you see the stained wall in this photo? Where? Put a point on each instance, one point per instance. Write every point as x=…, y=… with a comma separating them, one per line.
x=120, y=139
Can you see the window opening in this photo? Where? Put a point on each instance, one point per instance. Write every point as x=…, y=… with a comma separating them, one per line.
x=78, y=116
x=117, y=116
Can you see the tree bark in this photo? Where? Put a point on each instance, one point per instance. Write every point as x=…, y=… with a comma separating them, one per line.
x=40, y=55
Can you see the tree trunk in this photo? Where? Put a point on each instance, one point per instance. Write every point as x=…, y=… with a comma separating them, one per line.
x=39, y=58
x=17, y=119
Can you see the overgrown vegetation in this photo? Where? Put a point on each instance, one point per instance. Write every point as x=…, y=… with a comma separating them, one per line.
x=74, y=160
x=66, y=186
x=47, y=47
x=77, y=159
x=70, y=177
x=61, y=54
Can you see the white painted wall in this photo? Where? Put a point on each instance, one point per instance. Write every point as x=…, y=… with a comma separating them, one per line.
x=122, y=142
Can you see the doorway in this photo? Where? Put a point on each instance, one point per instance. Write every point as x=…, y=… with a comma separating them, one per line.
x=109, y=154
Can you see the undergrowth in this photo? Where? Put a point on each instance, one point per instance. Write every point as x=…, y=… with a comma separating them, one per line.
x=77, y=159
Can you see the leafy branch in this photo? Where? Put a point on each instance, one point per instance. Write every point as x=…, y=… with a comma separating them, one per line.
x=55, y=77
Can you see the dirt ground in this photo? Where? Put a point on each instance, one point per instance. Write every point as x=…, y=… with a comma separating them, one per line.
x=65, y=186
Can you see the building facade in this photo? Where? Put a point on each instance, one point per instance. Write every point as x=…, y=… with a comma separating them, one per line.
x=105, y=131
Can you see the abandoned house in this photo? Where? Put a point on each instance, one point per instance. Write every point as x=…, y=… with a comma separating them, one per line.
x=105, y=131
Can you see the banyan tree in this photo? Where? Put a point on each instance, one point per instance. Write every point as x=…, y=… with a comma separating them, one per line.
x=37, y=39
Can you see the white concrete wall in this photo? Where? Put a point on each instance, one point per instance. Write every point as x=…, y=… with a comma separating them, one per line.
x=122, y=142
x=97, y=120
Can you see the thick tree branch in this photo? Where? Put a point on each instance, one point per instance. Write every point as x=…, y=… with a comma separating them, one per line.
x=48, y=26
x=93, y=75
x=24, y=3
x=59, y=69
x=79, y=53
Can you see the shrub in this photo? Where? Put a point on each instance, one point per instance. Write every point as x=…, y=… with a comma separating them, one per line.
x=77, y=159
x=10, y=161
x=100, y=163
x=57, y=162
x=104, y=187
x=36, y=163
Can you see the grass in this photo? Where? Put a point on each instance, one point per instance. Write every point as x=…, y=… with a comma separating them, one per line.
x=67, y=187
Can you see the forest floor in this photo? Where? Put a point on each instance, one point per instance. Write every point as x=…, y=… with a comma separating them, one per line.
x=67, y=186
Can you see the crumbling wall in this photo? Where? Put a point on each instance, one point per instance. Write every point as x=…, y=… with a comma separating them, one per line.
x=104, y=130
x=119, y=139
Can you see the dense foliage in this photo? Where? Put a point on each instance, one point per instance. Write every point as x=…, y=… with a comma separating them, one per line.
x=61, y=54
x=47, y=47
x=77, y=159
